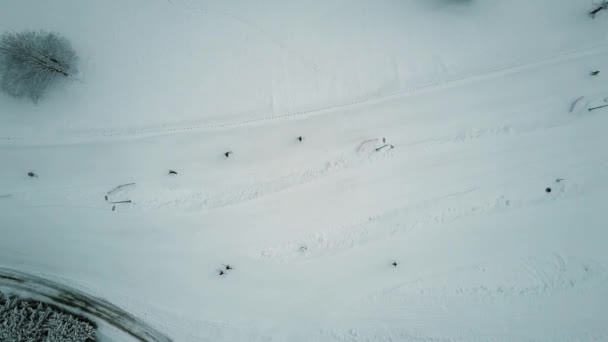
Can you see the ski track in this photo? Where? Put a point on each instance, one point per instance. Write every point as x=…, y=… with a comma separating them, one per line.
x=393, y=334
x=545, y=276
x=164, y=129
x=384, y=335
x=190, y=200
x=431, y=295
x=201, y=200
x=80, y=303
x=446, y=209
x=149, y=196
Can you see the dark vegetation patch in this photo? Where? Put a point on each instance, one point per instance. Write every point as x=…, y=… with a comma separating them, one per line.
x=30, y=320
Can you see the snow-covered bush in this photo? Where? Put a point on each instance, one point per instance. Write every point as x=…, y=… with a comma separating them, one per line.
x=26, y=320
x=602, y=5
x=31, y=61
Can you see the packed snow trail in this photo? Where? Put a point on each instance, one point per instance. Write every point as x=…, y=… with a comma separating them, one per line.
x=600, y=50
x=199, y=80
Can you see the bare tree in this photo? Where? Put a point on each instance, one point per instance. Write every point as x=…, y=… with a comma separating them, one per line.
x=598, y=7
x=31, y=61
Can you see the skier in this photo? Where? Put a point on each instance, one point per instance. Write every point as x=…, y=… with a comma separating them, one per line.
x=221, y=272
x=32, y=174
x=301, y=138
x=171, y=172
x=394, y=264
x=594, y=73
x=382, y=147
x=227, y=154
x=228, y=267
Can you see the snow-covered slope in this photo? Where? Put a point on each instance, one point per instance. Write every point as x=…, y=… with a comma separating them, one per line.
x=475, y=96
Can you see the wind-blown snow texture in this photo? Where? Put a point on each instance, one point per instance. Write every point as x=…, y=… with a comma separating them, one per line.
x=485, y=102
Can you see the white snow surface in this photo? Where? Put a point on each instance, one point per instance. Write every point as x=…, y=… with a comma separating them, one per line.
x=477, y=98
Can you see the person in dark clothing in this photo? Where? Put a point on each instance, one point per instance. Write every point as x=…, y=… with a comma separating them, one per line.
x=171, y=172
x=394, y=264
x=32, y=174
x=228, y=267
x=221, y=272
x=301, y=138
x=382, y=147
x=227, y=154
x=594, y=73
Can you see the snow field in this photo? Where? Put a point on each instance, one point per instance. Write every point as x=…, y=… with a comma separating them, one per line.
x=478, y=99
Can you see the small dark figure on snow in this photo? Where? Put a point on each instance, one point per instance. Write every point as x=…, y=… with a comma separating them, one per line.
x=228, y=267
x=171, y=172
x=301, y=138
x=227, y=154
x=385, y=146
x=221, y=272
x=394, y=264
x=548, y=190
x=594, y=73
x=31, y=174
x=601, y=6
